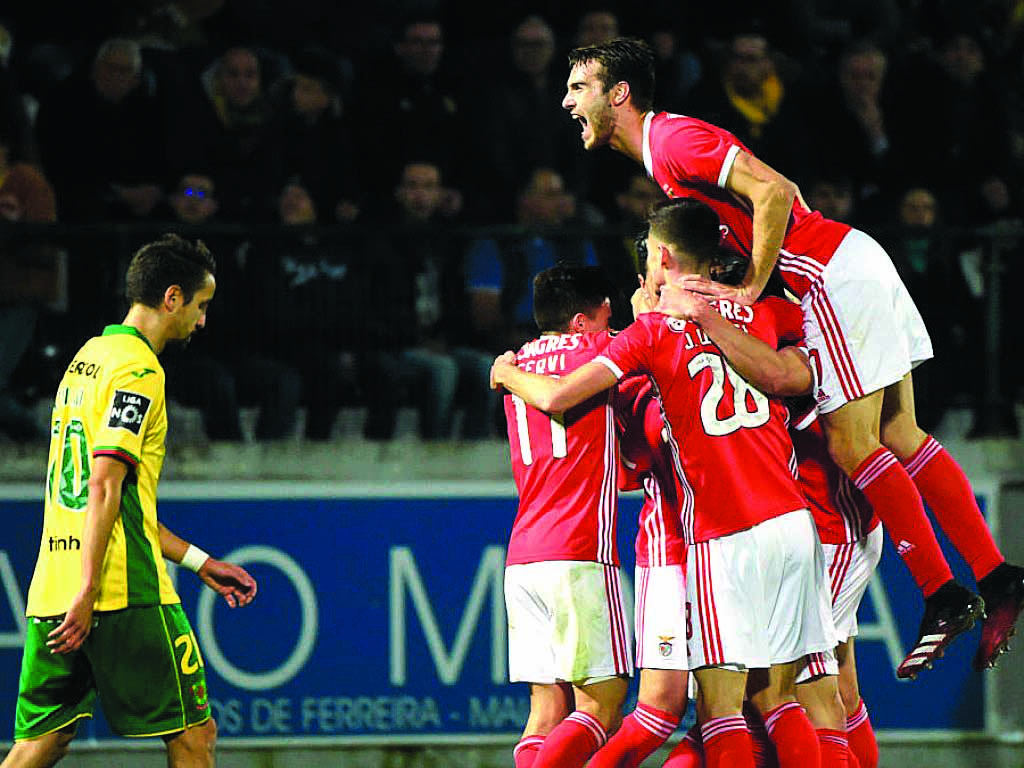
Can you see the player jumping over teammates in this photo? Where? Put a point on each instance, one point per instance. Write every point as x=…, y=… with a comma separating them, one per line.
x=861, y=324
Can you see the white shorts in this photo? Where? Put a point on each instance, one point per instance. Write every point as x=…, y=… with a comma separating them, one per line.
x=861, y=324
x=660, y=599
x=818, y=665
x=758, y=597
x=850, y=567
x=566, y=622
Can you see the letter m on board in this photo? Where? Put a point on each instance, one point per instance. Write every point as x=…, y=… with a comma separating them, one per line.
x=405, y=581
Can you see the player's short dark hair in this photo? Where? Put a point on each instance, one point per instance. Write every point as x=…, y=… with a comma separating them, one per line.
x=640, y=252
x=689, y=226
x=563, y=290
x=624, y=59
x=171, y=260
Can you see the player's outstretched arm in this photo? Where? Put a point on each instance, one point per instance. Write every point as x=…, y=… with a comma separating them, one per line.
x=549, y=394
x=783, y=373
x=231, y=581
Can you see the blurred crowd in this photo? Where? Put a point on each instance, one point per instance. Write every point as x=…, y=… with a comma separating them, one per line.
x=380, y=182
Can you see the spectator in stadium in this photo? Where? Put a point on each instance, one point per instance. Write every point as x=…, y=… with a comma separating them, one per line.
x=227, y=367
x=314, y=283
x=951, y=131
x=832, y=196
x=596, y=25
x=929, y=261
x=500, y=270
x=101, y=139
x=16, y=120
x=311, y=133
x=418, y=113
x=222, y=125
x=422, y=343
x=524, y=127
x=852, y=126
x=28, y=280
x=757, y=95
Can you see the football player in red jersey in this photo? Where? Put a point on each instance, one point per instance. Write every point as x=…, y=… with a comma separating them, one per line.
x=749, y=532
x=568, y=632
x=859, y=319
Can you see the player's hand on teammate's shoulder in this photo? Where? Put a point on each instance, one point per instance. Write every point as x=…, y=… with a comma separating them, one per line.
x=232, y=581
x=679, y=299
x=506, y=358
x=711, y=289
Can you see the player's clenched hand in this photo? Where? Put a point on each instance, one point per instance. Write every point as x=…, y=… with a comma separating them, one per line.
x=508, y=358
x=231, y=581
x=72, y=631
x=677, y=301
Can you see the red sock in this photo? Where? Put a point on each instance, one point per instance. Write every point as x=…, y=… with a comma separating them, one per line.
x=727, y=743
x=851, y=759
x=761, y=745
x=947, y=491
x=862, y=737
x=794, y=738
x=642, y=732
x=525, y=752
x=834, y=748
x=898, y=505
x=572, y=742
x=688, y=753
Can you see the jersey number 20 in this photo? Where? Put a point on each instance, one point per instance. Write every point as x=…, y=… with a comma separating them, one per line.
x=743, y=396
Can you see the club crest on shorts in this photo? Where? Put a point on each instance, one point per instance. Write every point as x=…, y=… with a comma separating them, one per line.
x=665, y=644
x=199, y=693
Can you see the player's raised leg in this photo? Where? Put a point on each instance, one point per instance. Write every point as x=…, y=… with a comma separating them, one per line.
x=948, y=493
x=950, y=609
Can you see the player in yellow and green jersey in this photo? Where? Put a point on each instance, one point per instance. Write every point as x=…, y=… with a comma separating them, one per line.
x=104, y=619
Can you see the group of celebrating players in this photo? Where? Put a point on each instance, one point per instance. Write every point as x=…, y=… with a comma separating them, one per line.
x=770, y=424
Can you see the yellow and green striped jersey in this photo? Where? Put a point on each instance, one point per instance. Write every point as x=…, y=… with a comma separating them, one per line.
x=110, y=403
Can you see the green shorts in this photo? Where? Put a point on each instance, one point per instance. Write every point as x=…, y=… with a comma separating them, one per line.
x=144, y=663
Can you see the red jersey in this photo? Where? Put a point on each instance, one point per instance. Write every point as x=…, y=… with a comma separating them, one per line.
x=648, y=463
x=732, y=450
x=841, y=512
x=688, y=157
x=565, y=465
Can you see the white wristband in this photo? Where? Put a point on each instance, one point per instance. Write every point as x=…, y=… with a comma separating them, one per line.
x=194, y=558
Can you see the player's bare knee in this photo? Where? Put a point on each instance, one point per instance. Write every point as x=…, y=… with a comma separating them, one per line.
x=821, y=700
x=604, y=701
x=206, y=738
x=194, y=746
x=849, y=692
x=43, y=752
x=607, y=713
x=902, y=436
x=62, y=743
x=665, y=691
